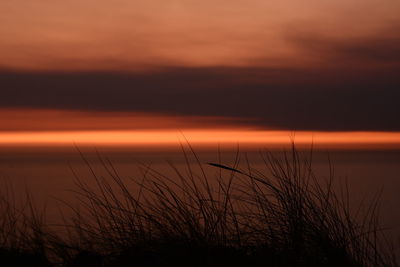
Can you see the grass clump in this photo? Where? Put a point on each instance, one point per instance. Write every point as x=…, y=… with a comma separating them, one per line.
x=22, y=234
x=282, y=215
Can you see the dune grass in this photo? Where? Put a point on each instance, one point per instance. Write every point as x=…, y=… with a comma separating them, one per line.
x=282, y=215
x=22, y=236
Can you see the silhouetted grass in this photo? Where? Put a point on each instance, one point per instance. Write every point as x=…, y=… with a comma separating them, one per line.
x=280, y=216
x=22, y=236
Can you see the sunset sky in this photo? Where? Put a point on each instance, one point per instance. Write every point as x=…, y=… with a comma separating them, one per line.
x=147, y=72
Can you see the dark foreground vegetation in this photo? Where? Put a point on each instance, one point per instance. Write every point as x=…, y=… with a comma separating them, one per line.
x=280, y=216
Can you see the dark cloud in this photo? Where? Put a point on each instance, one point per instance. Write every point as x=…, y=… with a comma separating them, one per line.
x=334, y=99
x=375, y=48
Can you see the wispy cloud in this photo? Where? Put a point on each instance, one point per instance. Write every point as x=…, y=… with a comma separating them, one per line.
x=374, y=48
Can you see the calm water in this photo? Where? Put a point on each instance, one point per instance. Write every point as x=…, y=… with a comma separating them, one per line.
x=47, y=174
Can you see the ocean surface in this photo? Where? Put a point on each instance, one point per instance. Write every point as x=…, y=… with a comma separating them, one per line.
x=48, y=174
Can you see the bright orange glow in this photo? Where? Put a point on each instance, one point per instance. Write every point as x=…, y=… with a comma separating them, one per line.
x=47, y=127
x=202, y=137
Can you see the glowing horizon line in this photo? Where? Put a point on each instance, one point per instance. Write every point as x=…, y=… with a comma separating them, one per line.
x=206, y=136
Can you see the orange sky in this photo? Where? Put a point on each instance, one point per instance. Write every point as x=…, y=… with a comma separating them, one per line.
x=127, y=35
x=229, y=54
x=25, y=119
x=204, y=137
x=67, y=128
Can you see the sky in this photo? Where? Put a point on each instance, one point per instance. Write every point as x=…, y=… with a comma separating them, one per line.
x=214, y=70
